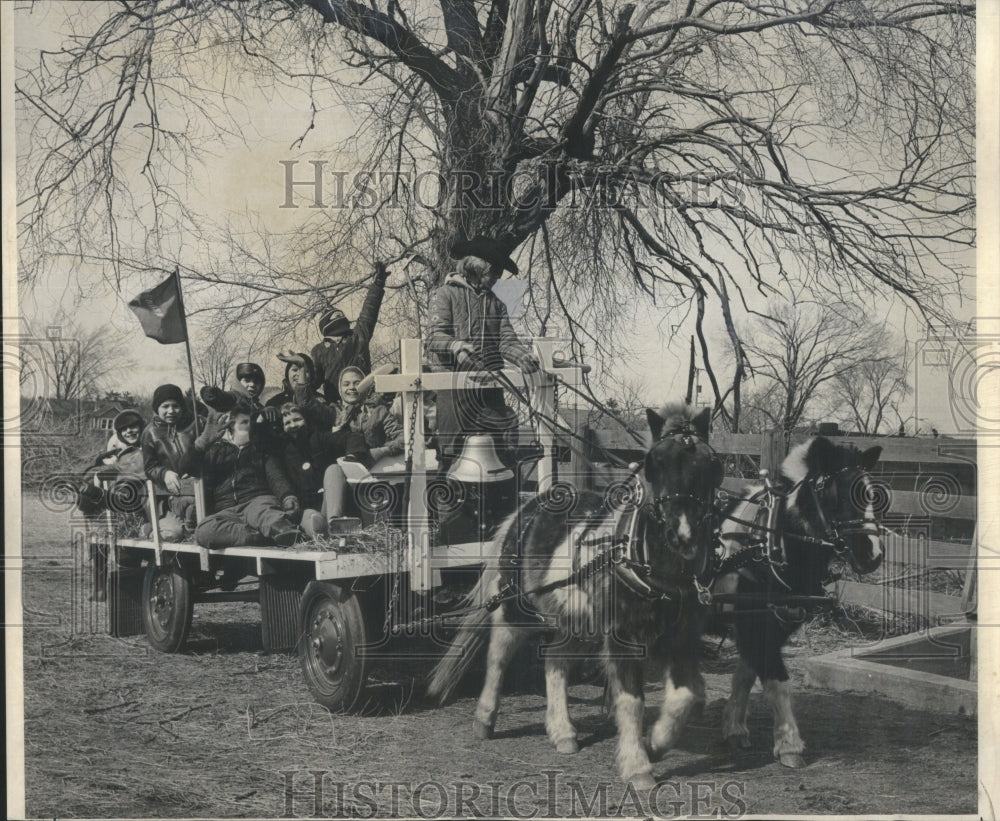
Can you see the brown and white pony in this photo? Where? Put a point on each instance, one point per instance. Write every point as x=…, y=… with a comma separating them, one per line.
x=825, y=512
x=554, y=557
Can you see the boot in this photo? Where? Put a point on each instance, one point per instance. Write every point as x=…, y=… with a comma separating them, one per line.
x=287, y=538
x=100, y=574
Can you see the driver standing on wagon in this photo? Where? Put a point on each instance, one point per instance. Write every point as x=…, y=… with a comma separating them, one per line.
x=469, y=329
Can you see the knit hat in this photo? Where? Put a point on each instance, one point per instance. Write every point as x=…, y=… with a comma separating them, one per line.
x=128, y=417
x=250, y=370
x=334, y=323
x=165, y=392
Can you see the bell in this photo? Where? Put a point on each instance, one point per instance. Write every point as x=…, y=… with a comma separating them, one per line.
x=479, y=463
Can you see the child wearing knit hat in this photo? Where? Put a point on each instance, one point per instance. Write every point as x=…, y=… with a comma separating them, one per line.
x=165, y=441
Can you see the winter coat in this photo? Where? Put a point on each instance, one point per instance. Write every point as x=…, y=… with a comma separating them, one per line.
x=382, y=429
x=332, y=357
x=125, y=459
x=265, y=432
x=459, y=313
x=121, y=466
x=234, y=475
x=305, y=457
x=164, y=446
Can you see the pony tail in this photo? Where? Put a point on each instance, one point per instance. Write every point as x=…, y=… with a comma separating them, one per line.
x=472, y=635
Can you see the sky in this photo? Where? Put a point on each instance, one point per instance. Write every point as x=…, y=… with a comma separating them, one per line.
x=245, y=176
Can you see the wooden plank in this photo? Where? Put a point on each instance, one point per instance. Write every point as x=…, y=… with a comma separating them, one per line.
x=919, y=551
x=903, y=502
x=908, y=503
x=907, y=449
x=924, y=603
x=737, y=444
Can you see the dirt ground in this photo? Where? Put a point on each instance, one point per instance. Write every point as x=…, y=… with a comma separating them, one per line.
x=114, y=729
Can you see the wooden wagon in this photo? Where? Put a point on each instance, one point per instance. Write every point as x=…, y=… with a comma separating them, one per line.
x=336, y=602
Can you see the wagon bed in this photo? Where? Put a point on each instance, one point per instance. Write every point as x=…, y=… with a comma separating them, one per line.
x=335, y=601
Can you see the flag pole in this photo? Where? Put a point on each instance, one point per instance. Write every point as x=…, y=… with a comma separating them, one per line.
x=187, y=347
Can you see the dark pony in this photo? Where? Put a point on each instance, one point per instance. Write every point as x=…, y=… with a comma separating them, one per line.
x=611, y=575
x=821, y=511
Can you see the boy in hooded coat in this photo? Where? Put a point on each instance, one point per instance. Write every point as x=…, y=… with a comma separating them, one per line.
x=381, y=430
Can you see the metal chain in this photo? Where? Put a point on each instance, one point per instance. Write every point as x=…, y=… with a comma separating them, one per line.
x=413, y=418
x=394, y=595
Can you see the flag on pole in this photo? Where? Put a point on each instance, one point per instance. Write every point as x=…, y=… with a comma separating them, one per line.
x=160, y=312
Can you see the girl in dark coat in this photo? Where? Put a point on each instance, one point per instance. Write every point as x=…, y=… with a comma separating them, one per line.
x=309, y=458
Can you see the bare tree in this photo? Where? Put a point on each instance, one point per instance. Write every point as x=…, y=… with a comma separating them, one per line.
x=215, y=364
x=873, y=389
x=799, y=351
x=75, y=363
x=678, y=151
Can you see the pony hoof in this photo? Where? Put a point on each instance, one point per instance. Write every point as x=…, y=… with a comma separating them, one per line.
x=567, y=746
x=643, y=782
x=793, y=760
x=481, y=731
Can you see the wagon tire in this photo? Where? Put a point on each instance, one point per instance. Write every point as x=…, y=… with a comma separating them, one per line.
x=332, y=647
x=167, y=607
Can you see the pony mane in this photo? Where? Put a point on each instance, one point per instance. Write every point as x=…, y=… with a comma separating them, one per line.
x=675, y=414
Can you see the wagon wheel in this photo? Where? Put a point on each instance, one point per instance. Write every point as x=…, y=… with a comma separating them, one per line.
x=332, y=645
x=167, y=606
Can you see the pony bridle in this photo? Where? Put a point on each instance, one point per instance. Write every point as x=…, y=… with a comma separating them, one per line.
x=703, y=508
x=836, y=531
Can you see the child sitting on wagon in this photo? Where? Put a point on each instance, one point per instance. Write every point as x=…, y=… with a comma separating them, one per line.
x=309, y=457
x=300, y=385
x=120, y=467
x=253, y=501
x=248, y=390
x=368, y=415
x=165, y=441
x=120, y=464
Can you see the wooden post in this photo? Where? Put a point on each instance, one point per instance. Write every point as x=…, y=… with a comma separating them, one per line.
x=772, y=450
x=969, y=586
x=417, y=524
x=154, y=520
x=545, y=403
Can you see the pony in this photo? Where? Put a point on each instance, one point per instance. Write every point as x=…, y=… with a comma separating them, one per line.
x=562, y=563
x=776, y=558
